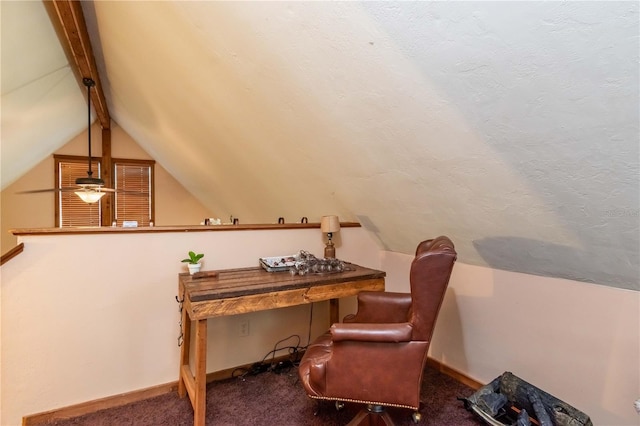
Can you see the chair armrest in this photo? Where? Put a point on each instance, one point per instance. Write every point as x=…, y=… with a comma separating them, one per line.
x=393, y=333
x=381, y=307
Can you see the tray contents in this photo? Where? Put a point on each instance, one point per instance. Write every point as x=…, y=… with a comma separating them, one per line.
x=278, y=263
x=302, y=263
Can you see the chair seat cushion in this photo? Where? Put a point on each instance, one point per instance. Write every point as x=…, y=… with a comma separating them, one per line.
x=378, y=373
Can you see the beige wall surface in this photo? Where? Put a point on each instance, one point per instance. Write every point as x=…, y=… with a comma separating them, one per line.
x=579, y=342
x=174, y=204
x=87, y=324
x=91, y=316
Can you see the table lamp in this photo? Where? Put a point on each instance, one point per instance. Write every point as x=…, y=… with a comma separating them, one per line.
x=329, y=225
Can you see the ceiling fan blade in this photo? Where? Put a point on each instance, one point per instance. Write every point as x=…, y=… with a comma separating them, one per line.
x=119, y=191
x=80, y=188
x=110, y=190
x=36, y=191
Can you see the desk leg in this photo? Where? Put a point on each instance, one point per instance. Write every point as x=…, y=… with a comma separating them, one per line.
x=184, y=352
x=200, y=405
x=334, y=311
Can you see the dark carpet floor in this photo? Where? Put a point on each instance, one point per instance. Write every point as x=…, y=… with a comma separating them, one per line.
x=279, y=399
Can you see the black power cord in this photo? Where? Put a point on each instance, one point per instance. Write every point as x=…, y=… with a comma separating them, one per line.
x=295, y=354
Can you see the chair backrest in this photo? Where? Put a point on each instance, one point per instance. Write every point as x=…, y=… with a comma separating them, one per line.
x=429, y=277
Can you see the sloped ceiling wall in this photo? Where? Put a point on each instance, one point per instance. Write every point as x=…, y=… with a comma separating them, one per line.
x=42, y=105
x=510, y=126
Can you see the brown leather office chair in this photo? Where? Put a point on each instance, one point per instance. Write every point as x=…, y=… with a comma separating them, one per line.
x=377, y=356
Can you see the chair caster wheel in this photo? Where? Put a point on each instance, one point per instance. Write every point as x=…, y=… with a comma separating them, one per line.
x=416, y=417
x=339, y=405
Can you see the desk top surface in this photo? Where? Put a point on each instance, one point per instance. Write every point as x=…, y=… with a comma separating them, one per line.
x=229, y=283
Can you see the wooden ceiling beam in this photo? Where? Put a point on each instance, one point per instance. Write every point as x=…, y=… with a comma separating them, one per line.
x=68, y=21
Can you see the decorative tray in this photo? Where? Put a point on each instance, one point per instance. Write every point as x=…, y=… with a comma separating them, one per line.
x=278, y=263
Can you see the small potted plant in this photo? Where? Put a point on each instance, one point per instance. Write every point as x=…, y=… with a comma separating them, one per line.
x=193, y=262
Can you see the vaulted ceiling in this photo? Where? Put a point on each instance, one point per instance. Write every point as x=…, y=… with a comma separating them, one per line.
x=510, y=126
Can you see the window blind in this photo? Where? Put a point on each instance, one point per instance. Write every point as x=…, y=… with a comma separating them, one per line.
x=134, y=202
x=72, y=211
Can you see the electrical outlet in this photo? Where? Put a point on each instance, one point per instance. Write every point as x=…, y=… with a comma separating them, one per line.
x=243, y=328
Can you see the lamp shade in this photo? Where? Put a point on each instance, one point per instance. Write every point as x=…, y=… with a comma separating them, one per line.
x=89, y=196
x=330, y=224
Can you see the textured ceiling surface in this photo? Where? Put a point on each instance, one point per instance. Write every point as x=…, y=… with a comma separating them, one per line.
x=512, y=127
x=42, y=106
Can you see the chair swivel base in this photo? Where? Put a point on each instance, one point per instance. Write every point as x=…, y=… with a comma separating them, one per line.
x=372, y=415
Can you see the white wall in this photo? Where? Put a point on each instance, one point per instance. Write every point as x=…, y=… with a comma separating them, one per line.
x=512, y=127
x=74, y=335
x=90, y=316
x=580, y=342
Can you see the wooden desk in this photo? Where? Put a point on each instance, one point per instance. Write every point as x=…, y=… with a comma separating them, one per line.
x=238, y=291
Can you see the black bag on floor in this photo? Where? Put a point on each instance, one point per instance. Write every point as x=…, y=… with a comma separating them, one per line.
x=509, y=400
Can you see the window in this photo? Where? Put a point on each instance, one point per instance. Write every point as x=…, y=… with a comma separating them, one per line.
x=70, y=210
x=132, y=179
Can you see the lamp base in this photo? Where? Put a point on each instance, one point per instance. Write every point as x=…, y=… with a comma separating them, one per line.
x=330, y=250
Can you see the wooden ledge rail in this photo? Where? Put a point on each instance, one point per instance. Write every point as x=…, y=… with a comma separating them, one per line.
x=12, y=253
x=189, y=228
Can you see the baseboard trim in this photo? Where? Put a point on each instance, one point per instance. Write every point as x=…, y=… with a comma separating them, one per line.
x=138, y=395
x=125, y=398
x=98, y=404
x=453, y=373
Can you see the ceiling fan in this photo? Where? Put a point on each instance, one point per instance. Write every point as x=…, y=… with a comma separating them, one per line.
x=90, y=189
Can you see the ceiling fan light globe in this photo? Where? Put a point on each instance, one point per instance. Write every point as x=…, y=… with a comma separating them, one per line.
x=89, y=197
